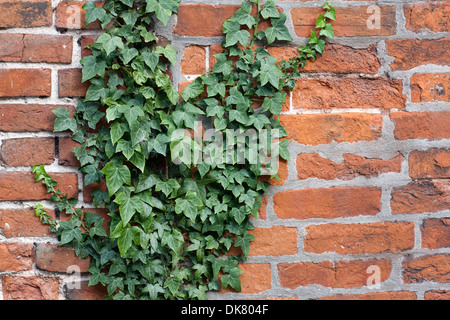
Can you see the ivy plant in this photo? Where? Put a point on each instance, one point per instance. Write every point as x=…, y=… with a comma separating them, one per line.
x=180, y=204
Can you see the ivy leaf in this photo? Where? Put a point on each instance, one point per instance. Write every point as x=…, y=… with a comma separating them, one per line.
x=270, y=10
x=92, y=68
x=243, y=15
x=244, y=242
x=63, y=121
x=188, y=205
x=232, y=279
x=278, y=31
x=116, y=176
x=162, y=9
x=327, y=31
x=270, y=73
x=93, y=13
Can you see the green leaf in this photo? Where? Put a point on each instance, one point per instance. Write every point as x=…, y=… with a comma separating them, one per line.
x=270, y=72
x=92, y=68
x=278, y=31
x=232, y=279
x=270, y=10
x=162, y=9
x=63, y=121
x=327, y=31
x=116, y=176
x=244, y=242
x=93, y=13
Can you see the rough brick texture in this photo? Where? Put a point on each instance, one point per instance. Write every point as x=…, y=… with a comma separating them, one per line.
x=364, y=198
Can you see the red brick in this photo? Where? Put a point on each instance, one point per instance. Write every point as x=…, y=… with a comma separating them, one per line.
x=327, y=203
x=421, y=196
x=315, y=129
x=389, y=295
x=23, y=223
x=421, y=125
x=59, y=259
x=410, y=53
x=22, y=186
x=312, y=165
x=16, y=117
x=66, y=155
x=341, y=274
x=352, y=21
x=203, y=20
x=16, y=257
x=25, y=13
x=30, y=288
x=360, y=238
x=435, y=268
x=433, y=163
x=27, y=151
x=71, y=15
x=437, y=295
x=330, y=93
x=431, y=15
x=35, y=48
x=335, y=59
x=274, y=241
x=194, y=60
x=69, y=83
x=435, y=233
x=430, y=87
x=256, y=277
x=82, y=291
x=86, y=40
x=25, y=82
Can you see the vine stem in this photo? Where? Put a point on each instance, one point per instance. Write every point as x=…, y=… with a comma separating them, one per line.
x=256, y=24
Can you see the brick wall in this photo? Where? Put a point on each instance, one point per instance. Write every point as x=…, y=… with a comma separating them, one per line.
x=364, y=197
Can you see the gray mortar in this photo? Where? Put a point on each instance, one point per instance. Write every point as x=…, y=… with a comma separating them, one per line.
x=384, y=148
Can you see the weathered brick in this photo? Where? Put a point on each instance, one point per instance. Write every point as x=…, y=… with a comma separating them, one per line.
x=25, y=82
x=435, y=233
x=256, y=277
x=330, y=93
x=410, y=53
x=35, y=48
x=437, y=295
x=16, y=257
x=27, y=151
x=203, y=20
x=430, y=87
x=16, y=117
x=71, y=15
x=23, y=223
x=315, y=129
x=25, y=13
x=335, y=59
x=327, y=203
x=352, y=21
x=82, y=291
x=66, y=155
x=22, y=186
x=312, y=165
x=427, y=15
x=340, y=274
x=194, y=60
x=274, y=241
x=30, y=288
x=421, y=196
x=432, y=163
x=388, y=295
x=59, y=259
x=435, y=268
x=360, y=238
x=421, y=125
x=70, y=84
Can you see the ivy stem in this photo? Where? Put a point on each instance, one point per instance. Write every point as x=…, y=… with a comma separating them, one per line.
x=256, y=24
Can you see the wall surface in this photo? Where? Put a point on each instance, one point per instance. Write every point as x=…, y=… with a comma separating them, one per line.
x=363, y=207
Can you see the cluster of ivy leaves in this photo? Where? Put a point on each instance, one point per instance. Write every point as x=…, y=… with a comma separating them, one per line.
x=172, y=224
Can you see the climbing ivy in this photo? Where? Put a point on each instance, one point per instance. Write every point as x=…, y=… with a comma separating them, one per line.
x=179, y=201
